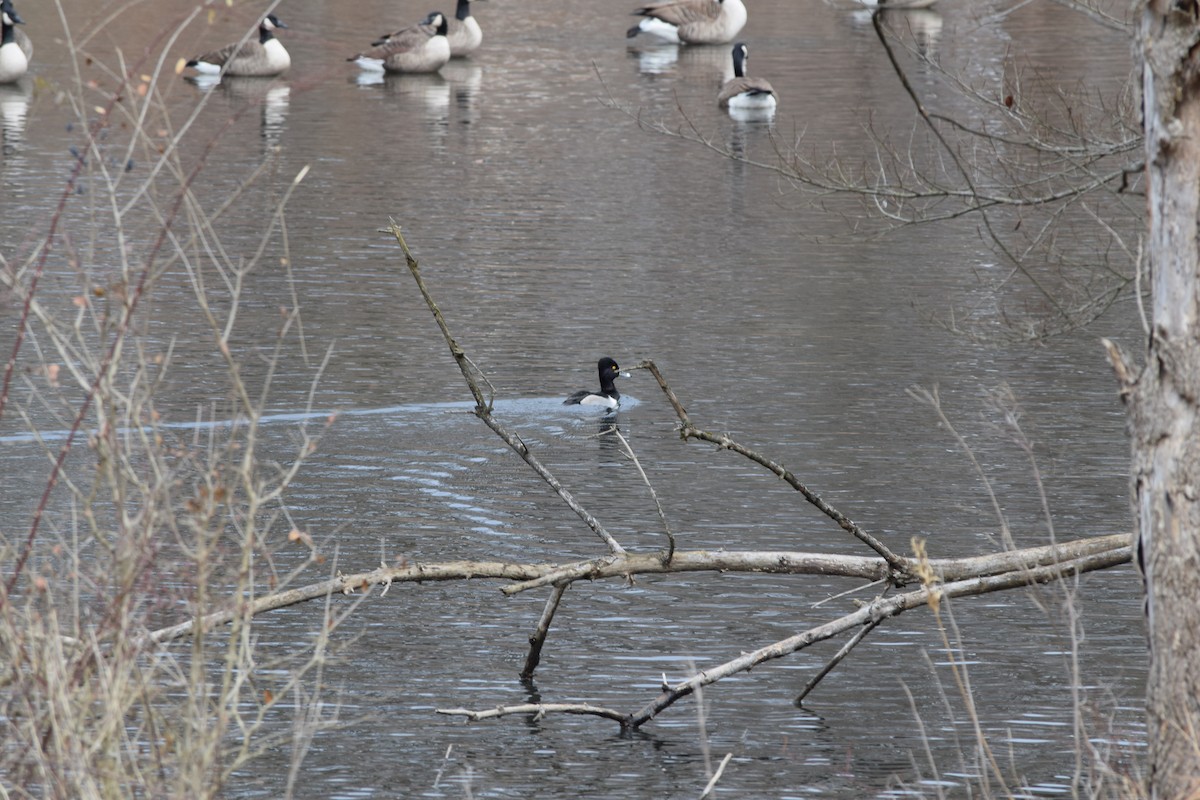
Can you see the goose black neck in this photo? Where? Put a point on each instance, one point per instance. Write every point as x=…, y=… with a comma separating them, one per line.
x=463, y=11
x=739, y=62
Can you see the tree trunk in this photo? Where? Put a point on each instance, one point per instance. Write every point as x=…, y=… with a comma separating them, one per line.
x=1164, y=396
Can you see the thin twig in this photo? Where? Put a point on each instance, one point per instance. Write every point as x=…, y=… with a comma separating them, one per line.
x=716, y=777
x=837, y=659
x=662, y=515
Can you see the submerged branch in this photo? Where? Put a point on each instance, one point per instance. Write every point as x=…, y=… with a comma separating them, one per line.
x=869, y=615
x=538, y=638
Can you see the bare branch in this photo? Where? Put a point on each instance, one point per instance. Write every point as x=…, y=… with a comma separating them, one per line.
x=877, y=611
x=1114, y=547
x=689, y=431
x=538, y=638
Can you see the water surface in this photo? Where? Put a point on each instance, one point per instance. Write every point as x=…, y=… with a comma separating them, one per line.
x=553, y=229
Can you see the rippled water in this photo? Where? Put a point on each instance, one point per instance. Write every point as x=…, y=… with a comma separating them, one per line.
x=553, y=229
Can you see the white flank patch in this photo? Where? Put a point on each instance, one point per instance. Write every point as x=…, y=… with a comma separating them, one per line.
x=369, y=64
x=659, y=30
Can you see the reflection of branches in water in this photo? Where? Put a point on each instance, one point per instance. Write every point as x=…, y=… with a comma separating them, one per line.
x=1046, y=173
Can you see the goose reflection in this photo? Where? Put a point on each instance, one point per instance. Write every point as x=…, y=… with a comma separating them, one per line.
x=432, y=90
x=272, y=98
x=918, y=19
x=14, y=109
x=655, y=59
x=659, y=59
x=465, y=79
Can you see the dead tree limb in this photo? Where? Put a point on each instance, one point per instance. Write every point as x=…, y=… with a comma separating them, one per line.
x=901, y=566
x=870, y=614
x=879, y=610
x=1114, y=547
x=538, y=638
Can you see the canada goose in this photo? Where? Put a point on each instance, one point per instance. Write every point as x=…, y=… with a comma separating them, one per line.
x=15, y=47
x=19, y=35
x=465, y=35
x=463, y=32
x=608, y=396
x=741, y=93
x=253, y=59
x=691, y=21
x=419, y=48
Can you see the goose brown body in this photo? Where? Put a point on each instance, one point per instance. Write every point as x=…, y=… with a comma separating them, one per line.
x=263, y=57
x=418, y=48
x=691, y=21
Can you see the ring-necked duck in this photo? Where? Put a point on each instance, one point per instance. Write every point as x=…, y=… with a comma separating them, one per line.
x=608, y=396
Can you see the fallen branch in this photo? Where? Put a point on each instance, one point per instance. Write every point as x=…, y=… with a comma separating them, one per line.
x=716, y=777
x=869, y=614
x=1114, y=548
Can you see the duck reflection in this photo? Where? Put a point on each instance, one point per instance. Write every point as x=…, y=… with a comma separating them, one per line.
x=608, y=431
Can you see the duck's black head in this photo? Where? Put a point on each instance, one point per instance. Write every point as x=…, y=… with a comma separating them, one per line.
x=609, y=370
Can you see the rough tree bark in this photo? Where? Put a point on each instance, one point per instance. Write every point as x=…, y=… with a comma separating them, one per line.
x=1163, y=395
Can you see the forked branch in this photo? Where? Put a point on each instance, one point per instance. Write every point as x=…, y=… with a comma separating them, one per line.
x=900, y=566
